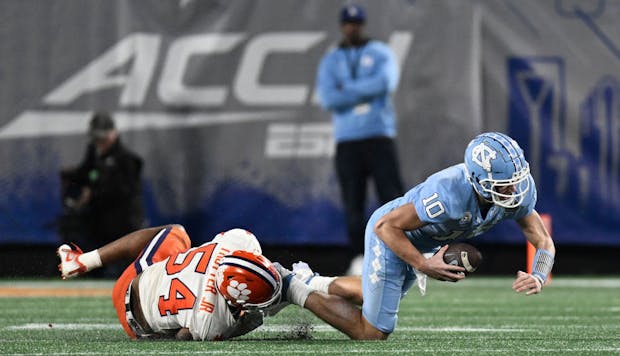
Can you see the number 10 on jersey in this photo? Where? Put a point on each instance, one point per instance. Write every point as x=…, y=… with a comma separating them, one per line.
x=433, y=207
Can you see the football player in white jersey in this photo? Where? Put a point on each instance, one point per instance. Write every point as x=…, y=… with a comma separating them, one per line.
x=407, y=237
x=215, y=291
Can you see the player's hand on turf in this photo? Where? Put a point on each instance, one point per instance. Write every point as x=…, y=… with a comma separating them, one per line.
x=527, y=283
x=183, y=335
x=435, y=267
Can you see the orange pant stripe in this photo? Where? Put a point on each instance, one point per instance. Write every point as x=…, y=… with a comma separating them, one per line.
x=169, y=243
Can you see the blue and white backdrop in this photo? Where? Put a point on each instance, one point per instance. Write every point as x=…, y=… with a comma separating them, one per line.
x=219, y=98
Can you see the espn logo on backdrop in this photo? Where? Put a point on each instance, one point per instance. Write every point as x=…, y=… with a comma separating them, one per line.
x=299, y=140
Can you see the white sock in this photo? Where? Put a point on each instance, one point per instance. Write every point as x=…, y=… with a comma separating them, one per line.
x=298, y=292
x=91, y=260
x=320, y=283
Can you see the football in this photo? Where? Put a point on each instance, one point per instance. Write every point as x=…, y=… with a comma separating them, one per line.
x=464, y=255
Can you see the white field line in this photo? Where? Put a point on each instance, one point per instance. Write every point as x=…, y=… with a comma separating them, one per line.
x=442, y=350
x=555, y=282
x=325, y=328
x=285, y=328
x=585, y=283
x=71, y=326
x=470, y=309
x=57, y=284
x=267, y=328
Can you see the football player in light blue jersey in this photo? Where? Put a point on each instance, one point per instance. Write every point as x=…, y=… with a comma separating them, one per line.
x=459, y=202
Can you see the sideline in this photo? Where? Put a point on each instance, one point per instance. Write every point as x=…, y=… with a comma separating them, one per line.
x=55, y=292
x=55, y=288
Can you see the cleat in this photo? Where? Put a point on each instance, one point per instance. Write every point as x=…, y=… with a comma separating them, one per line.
x=294, y=291
x=70, y=266
x=286, y=275
x=303, y=272
x=283, y=302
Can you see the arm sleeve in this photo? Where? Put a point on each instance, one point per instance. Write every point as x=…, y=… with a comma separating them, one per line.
x=332, y=95
x=248, y=322
x=384, y=79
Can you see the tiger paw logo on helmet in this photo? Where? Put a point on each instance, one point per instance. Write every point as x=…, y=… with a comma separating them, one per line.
x=248, y=280
x=239, y=291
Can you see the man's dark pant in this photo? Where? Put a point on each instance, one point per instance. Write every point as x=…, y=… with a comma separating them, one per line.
x=356, y=161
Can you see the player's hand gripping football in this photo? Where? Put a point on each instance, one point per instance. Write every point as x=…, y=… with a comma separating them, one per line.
x=527, y=283
x=435, y=267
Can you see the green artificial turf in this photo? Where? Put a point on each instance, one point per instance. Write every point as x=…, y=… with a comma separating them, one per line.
x=480, y=315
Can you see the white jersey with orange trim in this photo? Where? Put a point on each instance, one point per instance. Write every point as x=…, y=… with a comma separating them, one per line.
x=180, y=292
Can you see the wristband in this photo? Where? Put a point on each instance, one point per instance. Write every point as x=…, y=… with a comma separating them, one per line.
x=542, y=265
x=538, y=278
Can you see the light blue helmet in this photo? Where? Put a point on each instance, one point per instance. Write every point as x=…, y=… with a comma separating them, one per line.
x=495, y=162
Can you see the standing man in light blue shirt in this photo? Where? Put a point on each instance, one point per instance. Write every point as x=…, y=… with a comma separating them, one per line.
x=355, y=82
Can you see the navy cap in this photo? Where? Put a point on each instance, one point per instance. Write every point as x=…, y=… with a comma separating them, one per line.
x=352, y=13
x=100, y=125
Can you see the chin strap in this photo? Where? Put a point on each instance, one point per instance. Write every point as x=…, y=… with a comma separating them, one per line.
x=542, y=265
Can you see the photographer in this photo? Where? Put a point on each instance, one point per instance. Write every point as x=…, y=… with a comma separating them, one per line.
x=102, y=196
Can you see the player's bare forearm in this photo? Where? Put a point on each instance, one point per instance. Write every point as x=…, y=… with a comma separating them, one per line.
x=391, y=230
x=246, y=323
x=434, y=267
x=130, y=245
x=534, y=230
x=395, y=239
x=536, y=233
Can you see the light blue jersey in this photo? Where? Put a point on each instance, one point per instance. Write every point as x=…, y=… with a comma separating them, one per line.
x=355, y=84
x=448, y=204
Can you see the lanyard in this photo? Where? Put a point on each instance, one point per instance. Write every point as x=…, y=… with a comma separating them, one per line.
x=352, y=57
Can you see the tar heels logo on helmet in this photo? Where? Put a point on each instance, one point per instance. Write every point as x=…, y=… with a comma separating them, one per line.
x=482, y=155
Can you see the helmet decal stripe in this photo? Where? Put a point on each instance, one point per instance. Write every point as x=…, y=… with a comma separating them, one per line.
x=251, y=267
x=511, y=147
x=257, y=265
